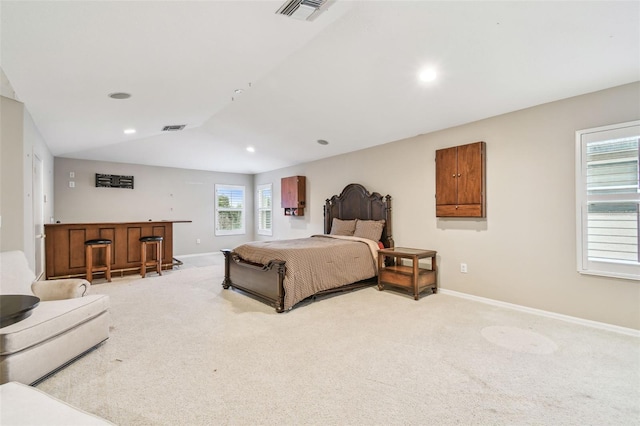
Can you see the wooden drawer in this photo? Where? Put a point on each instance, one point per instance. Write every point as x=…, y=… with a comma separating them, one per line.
x=403, y=276
x=462, y=210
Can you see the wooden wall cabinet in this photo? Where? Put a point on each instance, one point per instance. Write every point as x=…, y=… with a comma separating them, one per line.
x=293, y=193
x=460, y=181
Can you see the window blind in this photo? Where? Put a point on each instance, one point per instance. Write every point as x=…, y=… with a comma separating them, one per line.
x=265, y=209
x=229, y=209
x=608, y=194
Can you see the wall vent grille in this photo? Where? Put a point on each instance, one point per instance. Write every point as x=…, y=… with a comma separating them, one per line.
x=174, y=128
x=306, y=10
x=113, y=181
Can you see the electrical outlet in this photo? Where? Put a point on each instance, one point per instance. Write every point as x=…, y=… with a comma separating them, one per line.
x=72, y=184
x=463, y=268
x=197, y=240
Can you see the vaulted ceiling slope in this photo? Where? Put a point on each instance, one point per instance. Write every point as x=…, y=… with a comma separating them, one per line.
x=348, y=77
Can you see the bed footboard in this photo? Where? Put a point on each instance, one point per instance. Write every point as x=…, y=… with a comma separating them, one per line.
x=265, y=282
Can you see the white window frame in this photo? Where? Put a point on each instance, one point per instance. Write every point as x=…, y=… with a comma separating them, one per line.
x=263, y=209
x=241, y=230
x=618, y=269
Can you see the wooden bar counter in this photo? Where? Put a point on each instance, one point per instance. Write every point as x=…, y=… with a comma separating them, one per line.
x=65, y=254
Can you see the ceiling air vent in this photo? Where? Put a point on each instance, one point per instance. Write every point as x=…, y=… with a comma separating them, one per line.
x=174, y=128
x=306, y=10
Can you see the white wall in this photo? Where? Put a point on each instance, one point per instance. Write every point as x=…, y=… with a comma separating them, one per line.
x=21, y=140
x=11, y=175
x=160, y=193
x=524, y=252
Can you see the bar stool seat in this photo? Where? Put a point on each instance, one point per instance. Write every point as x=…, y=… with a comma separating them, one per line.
x=91, y=245
x=157, y=263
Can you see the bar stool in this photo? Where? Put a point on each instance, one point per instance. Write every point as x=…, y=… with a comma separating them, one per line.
x=99, y=243
x=143, y=254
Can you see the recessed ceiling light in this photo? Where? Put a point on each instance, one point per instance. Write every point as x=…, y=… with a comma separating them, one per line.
x=322, y=142
x=119, y=95
x=251, y=149
x=427, y=74
x=129, y=131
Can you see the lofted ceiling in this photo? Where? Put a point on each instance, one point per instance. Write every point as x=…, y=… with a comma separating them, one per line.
x=348, y=77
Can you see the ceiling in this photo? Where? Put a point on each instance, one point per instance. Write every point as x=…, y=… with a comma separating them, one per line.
x=348, y=77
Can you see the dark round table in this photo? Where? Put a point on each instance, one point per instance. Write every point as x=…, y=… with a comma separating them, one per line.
x=16, y=307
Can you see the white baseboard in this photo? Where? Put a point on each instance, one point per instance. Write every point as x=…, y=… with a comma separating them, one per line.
x=567, y=318
x=198, y=254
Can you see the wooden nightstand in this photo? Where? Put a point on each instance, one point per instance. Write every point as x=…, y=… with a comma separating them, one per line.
x=414, y=278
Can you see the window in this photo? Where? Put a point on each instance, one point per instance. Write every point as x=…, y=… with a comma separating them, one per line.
x=229, y=210
x=265, y=209
x=608, y=200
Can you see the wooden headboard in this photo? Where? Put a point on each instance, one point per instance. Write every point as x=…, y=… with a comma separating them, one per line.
x=355, y=202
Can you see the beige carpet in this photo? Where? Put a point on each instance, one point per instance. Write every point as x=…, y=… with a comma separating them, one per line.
x=183, y=351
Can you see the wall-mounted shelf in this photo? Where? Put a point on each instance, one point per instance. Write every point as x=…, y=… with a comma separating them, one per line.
x=293, y=212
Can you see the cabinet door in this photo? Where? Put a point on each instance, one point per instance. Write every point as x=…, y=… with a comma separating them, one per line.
x=293, y=192
x=446, y=176
x=289, y=191
x=470, y=174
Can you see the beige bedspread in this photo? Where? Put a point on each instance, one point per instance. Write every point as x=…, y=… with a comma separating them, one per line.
x=320, y=262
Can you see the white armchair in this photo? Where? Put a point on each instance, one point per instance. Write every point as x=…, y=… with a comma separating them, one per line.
x=67, y=323
x=17, y=278
x=60, y=289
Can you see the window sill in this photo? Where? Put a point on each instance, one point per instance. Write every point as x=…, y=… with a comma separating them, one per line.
x=621, y=275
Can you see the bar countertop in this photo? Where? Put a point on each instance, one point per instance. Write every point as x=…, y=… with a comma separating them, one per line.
x=116, y=223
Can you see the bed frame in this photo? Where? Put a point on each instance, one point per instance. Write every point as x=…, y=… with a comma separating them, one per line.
x=266, y=282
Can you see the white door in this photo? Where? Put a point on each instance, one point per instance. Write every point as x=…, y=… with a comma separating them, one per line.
x=38, y=213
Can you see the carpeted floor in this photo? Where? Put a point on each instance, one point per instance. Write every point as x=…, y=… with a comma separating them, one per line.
x=183, y=351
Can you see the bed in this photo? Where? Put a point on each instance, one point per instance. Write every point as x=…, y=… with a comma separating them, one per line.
x=282, y=273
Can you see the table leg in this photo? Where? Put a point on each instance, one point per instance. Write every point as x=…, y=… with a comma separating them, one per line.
x=415, y=277
x=380, y=262
x=434, y=266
